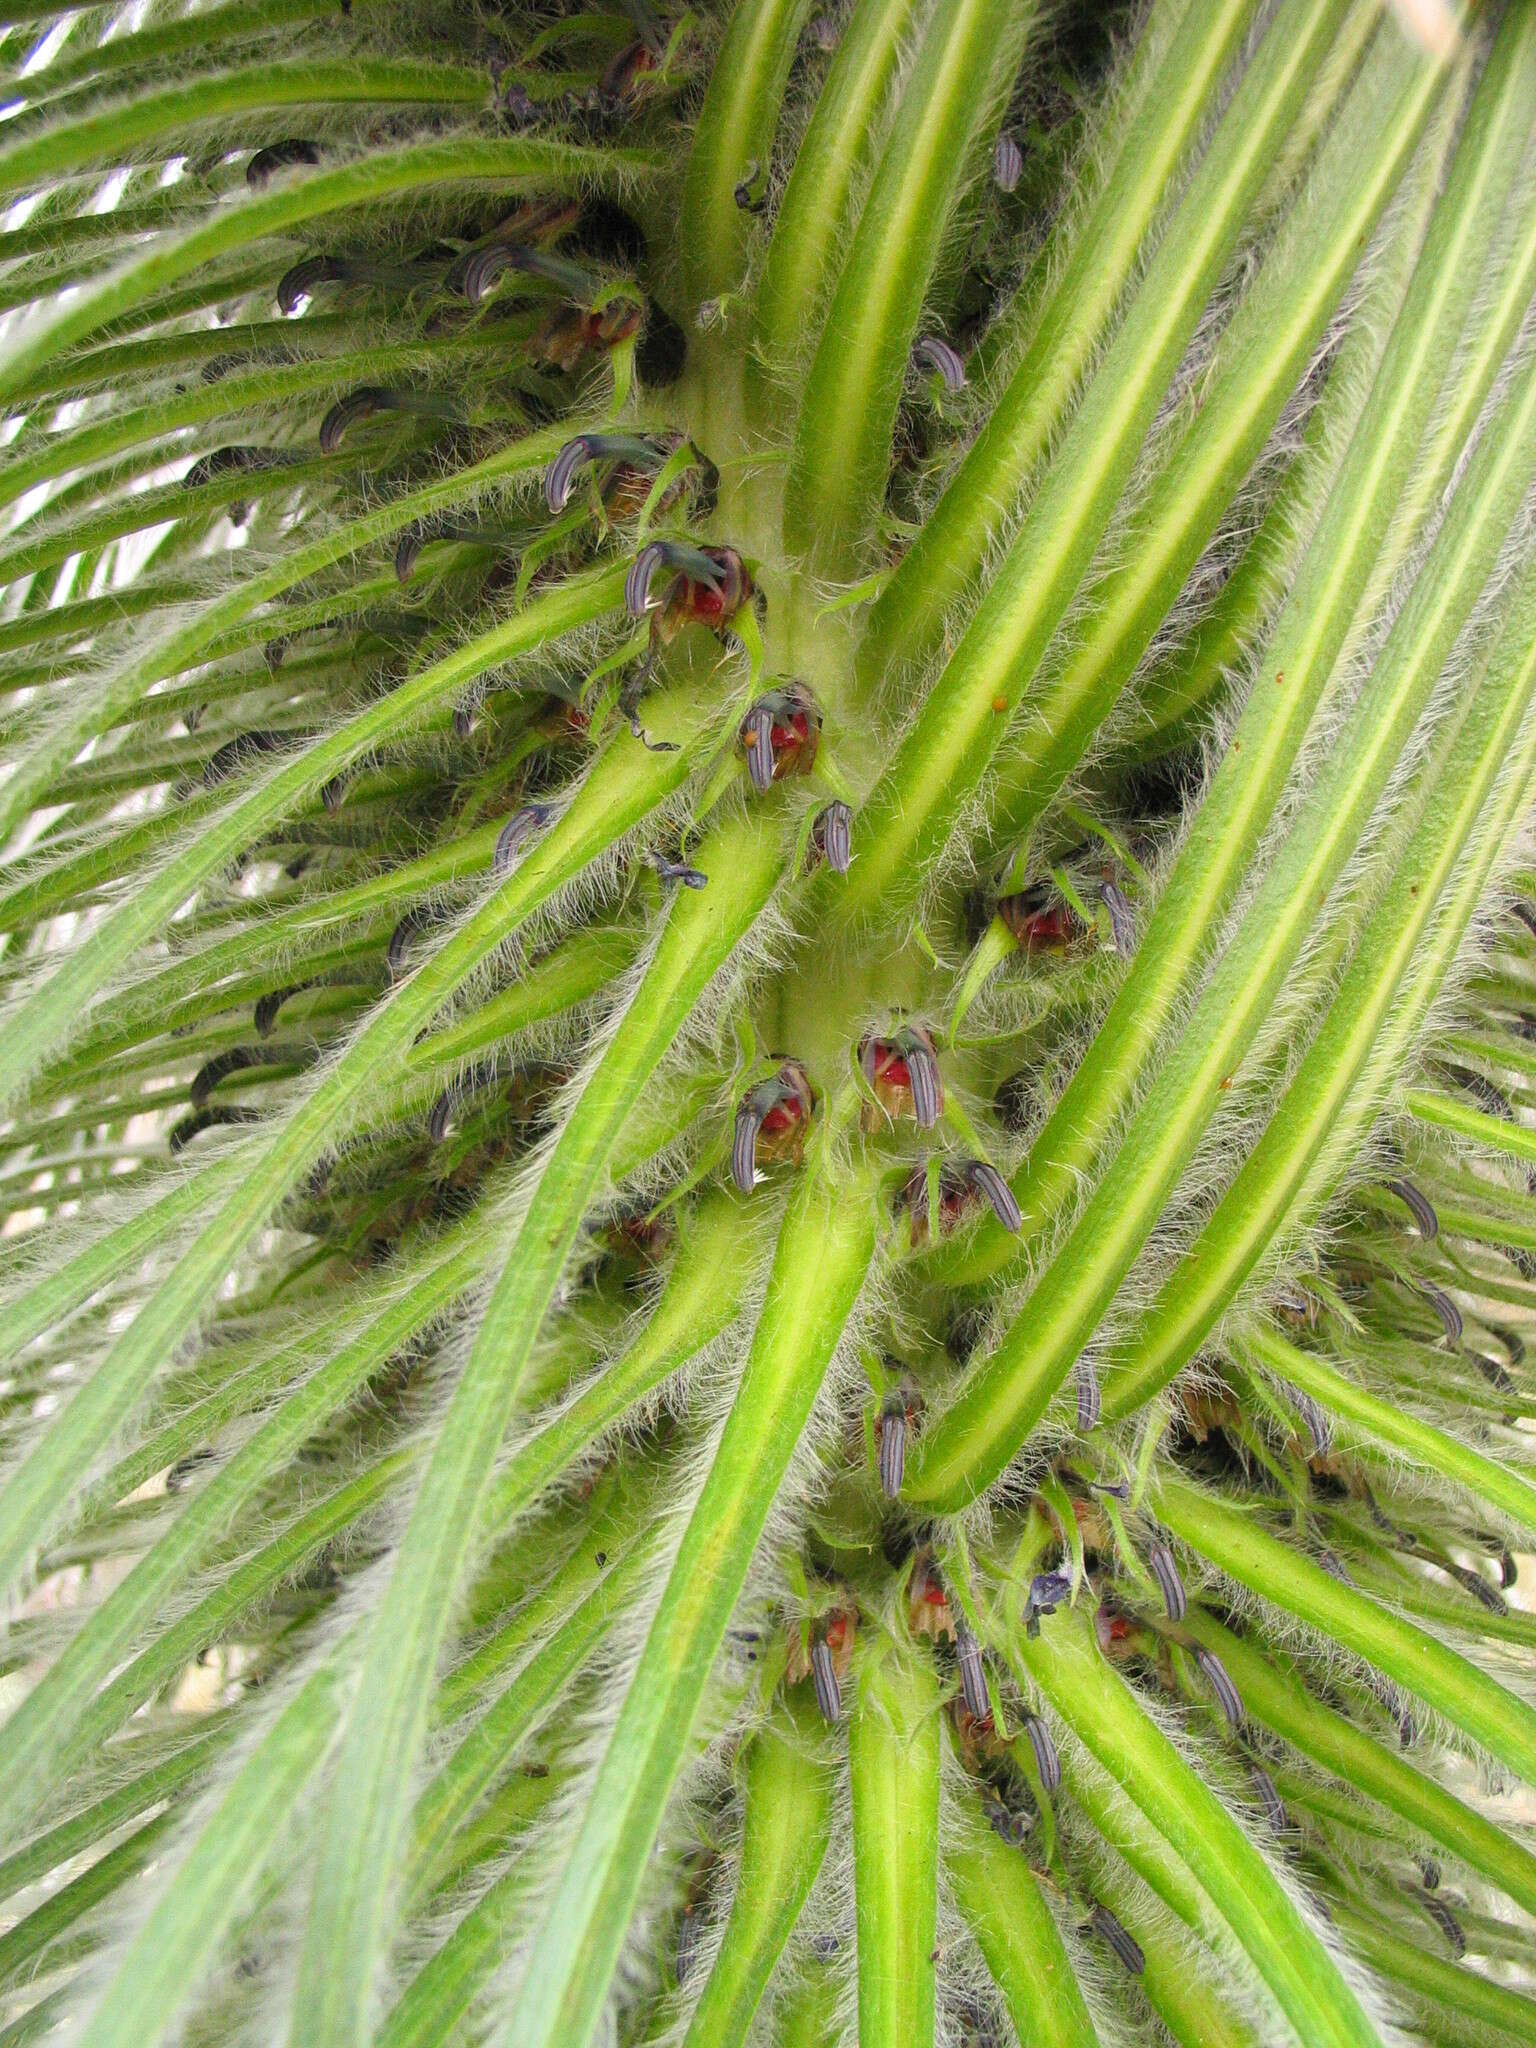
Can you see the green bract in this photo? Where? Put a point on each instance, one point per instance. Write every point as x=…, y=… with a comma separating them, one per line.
x=767, y=1023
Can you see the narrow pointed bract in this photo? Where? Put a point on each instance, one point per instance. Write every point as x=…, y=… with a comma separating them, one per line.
x=973, y=1678
x=1113, y=1935
x=749, y=1121
x=1122, y=919
x=280, y=156
x=524, y=823
x=932, y=352
x=829, y=1694
x=421, y=917
x=1221, y=1685
x=361, y=404
x=1419, y=1207
x=1090, y=1400
x=637, y=585
x=927, y=1087
x=1043, y=1743
x=679, y=871
x=903, y=1074
x=832, y=836
x=1169, y=1584
x=1273, y=1805
x=1447, y=1923
x=774, y=1112
x=999, y=1197
x=893, y=1445
x=1313, y=1415
x=1447, y=1311
x=757, y=738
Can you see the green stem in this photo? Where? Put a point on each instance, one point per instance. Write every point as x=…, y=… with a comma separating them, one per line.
x=736, y=126
x=840, y=140
x=44, y=1022
x=787, y=1796
x=1497, y=740
x=1004, y=1399
x=1186, y=49
x=1004, y=1905
x=1274, y=1694
x=842, y=449
x=1261, y=357
x=825, y=1247
x=893, y=1770
x=162, y=1966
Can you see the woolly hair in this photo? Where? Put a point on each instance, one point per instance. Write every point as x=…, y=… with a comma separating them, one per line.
x=768, y=960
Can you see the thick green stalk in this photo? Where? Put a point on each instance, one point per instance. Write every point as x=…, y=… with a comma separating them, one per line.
x=894, y=1741
x=1237, y=1544
x=68, y=1722
x=1193, y=679
x=1125, y=1828
x=604, y=1528
x=1107, y=1719
x=1003, y=1400
x=824, y=1251
x=911, y=812
x=350, y=1908
x=85, y=618
x=736, y=128
x=148, y=359
x=1189, y=48
x=842, y=449
x=817, y=201
x=787, y=1798
x=1003, y=1904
